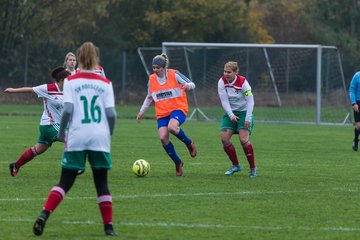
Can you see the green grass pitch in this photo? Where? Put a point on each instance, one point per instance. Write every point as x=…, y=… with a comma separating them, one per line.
x=307, y=188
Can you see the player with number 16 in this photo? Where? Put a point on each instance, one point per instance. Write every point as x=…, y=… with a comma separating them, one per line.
x=89, y=113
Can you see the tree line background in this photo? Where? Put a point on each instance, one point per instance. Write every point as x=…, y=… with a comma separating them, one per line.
x=35, y=35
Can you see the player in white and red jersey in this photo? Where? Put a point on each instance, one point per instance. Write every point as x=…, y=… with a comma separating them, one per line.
x=238, y=103
x=89, y=113
x=99, y=70
x=52, y=96
x=70, y=63
x=89, y=88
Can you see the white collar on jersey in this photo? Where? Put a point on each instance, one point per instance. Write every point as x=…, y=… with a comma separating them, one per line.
x=88, y=71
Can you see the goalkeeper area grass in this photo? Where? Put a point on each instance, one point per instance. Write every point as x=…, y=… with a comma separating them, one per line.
x=307, y=188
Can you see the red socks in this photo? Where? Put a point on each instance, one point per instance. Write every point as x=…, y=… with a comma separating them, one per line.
x=231, y=152
x=249, y=152
x=56, y=195
x=27, y=156
x=105, y=205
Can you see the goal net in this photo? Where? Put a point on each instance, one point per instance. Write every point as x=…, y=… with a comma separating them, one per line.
x=291, y=83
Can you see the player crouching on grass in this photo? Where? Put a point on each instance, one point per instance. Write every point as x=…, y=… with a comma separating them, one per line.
x=238, y=103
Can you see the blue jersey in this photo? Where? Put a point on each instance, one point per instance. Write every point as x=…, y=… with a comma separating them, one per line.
x=354, y=89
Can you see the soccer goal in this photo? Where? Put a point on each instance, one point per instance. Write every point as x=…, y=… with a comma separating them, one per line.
x=292, y=83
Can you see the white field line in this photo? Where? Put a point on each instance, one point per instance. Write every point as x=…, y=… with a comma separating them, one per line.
x=160, y=195
x=163, y=195
x=273, y=163
x=201, y=225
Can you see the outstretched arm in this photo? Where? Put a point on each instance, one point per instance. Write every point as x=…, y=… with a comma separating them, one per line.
x=19, y=90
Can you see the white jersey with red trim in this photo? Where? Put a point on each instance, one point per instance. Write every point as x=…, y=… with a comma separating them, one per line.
x=99, y=70
x=53, y=103
x=90, y=94
x=236, y=96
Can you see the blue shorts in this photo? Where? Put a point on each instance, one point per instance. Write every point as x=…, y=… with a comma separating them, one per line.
x=177, y=114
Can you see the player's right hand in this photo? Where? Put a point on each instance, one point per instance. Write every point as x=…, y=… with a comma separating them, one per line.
x=234, y=119
x=356, y=107
x=8, y=90
x=139, y=117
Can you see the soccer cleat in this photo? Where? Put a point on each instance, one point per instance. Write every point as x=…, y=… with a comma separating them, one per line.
x=179, y=171
x=109, y=230
x=192, y=149
x=13, y=169
x=253, y=173
x=79, y=172
x=355, y=145
x=232, y=170
x=39, y=225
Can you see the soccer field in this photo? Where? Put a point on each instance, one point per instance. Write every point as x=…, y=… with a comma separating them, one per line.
x=307, y=188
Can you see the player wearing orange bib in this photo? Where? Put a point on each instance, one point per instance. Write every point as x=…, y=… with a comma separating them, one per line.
x=166, y=87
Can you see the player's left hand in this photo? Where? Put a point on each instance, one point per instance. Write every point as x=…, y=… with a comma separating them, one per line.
x=139, y=117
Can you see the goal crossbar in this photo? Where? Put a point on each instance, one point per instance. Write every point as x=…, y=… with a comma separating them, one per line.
x=249, y=45
x=319, y=50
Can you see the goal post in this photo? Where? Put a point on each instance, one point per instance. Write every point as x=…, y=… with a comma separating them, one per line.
x=292, y=83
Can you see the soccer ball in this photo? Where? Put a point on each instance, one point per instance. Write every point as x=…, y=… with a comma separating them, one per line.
x=141, y=168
